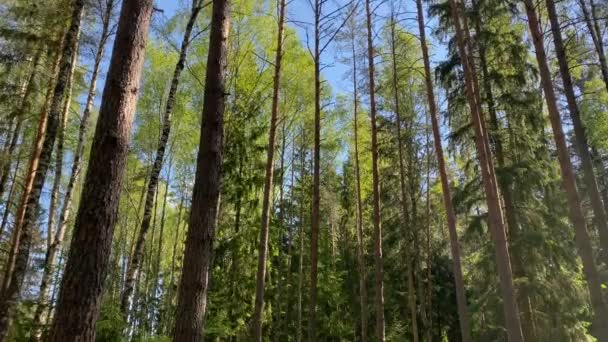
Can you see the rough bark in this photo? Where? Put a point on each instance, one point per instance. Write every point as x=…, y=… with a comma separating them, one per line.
x=135, y=261
x=192, y=299
x=380, y=329
x=41, y=314
x=577, y=217
x=360, y=233
x=18, y=261
x=495, y=220
x=580, y=135
x=268, y=182
x=89, y=256
x=43, y=297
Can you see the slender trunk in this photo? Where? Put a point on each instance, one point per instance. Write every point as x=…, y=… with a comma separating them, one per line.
x=268, y=183
x=316, y=181
x=11, y=194
x=89, y=255
x=280, y=235
x=137, y=255
x=29, y=178
x=360, y=233
x=157, y=272
x=380, y=331
x=429, y=289
x=580, y=136
x=577, y=216
x=513, y=324
x=20, y=115
x=506, y=189
x=301, y=233
x=593, y=27
x=25, y=225
x=192, y=300
x=40, y=318
x=411, y=293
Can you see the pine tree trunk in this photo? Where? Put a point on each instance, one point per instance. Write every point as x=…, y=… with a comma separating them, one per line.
x=11, y=194
x=577, y=216
x=268, y=183
x=29, y=177
x=157, y=268
x=20, y=115
x=24, y=227
x=513, y=324
x=43, y=297
x=89, y=255
x=41, y=314
x=593, y=27
x=360, y=233
x=137, y=255
x=301, y=233
x=580, y=136
x=192, y=300
x=411, y=293
x=380, y=329
x=316, y=181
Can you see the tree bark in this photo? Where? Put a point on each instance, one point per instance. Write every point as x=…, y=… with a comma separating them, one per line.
x=43, y=298
x=583, y=242
x=580, y=135
x=18, y=262
x=380, y=329
x=497, y=228
x=137, y=255
x=41, y=314
x=268, y=183
x=192, y=300
x=89, y=255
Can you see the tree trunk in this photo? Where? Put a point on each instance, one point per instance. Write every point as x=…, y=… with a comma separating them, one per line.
x=268, y=183
x=380, y=331
x=20, y=115
x=24, y=228
x=577, y=216
x=11, y=194
x=43, y=297
x=360, y=233
x=137, y=255
x=513, y=324
x=580, y=136
x=301, y=233
x=316, y=181
x=192, y=300
x=29, y=177
x=595, y=32
x=157, y=268
x=41, y=314
x=411, y=293
x=87, y=263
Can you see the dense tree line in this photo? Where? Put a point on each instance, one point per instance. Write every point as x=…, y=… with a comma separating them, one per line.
x=291, y=170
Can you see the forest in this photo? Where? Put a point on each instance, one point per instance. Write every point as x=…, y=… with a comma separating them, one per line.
x=303, y=170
